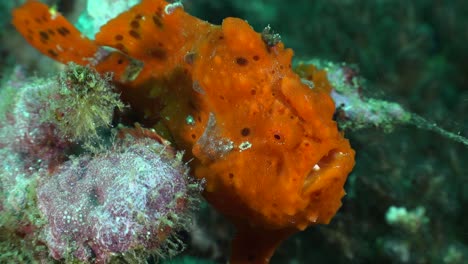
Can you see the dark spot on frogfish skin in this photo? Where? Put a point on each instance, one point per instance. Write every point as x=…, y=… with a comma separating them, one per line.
x=245, y=131
x=138, y=16
x=241, y=61
x=52, y=53
x=158, y=53
x=121, y=47
x=134, y=24
x=44, y=35
x=134, y=34
x=63, y=31
x=157, y=20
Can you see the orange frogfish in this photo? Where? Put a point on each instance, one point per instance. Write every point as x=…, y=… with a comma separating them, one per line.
x=264, y=140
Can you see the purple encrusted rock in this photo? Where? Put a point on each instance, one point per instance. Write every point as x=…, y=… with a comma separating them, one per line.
x=23, y=128
x=131, y=199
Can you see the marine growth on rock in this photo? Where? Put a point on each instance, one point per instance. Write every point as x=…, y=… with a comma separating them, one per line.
x=130, y=200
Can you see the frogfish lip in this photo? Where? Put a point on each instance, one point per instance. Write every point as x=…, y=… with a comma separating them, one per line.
x=323, y=185
x=330, y=165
